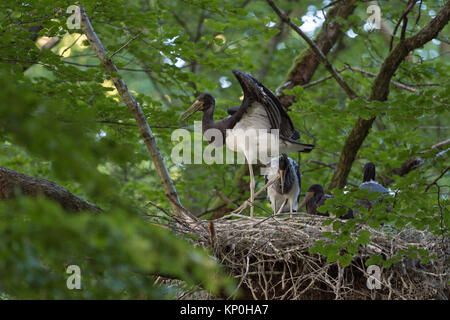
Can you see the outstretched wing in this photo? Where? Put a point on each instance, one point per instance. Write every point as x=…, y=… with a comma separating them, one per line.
x=287, y=129
x=254, y=91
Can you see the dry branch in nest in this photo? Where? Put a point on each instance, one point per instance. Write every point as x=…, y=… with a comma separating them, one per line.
x=270, y=259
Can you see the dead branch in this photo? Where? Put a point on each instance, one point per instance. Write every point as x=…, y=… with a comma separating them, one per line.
x=136, y=110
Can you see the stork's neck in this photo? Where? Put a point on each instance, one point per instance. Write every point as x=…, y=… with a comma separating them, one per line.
x=208, y=118
x=369, y=174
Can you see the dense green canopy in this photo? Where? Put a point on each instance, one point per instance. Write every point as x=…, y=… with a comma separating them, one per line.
x=62, y=119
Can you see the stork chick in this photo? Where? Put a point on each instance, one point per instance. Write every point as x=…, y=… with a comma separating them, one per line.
x=316, y=197
x=284, y=193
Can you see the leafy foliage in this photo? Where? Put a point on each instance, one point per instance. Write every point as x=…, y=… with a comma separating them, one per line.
x=62, y=119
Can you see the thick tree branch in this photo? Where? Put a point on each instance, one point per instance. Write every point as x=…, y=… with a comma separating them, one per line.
x=317, y=51
x=14, y=183
x=306, y=63
x=136, y=110
x=380, y=92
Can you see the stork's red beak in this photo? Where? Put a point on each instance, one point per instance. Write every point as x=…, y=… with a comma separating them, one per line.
x=196, y=106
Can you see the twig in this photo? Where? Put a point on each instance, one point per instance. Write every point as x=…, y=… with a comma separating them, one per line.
x=405, y=22
x=332, y=166
x=224, y=198
x=158, y=207
x=73, y=43
x=319, y=54
x=439, y=146
x=364, y=72
x=373, y=75
x=125, y=45
x=420, y=10
x=436, y=180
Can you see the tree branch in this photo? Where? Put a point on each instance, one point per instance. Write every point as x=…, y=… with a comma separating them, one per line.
x=436, y=180
x=405, y=22
x=364, y=72
x=13, y=183
x=136, y=110
x=380, y=92
x=319, y=54
x=306, y=63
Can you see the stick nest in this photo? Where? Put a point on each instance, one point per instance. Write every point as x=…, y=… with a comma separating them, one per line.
x=270, y=259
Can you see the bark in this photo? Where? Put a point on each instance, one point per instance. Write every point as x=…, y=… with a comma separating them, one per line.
x=306, y=63
x=380, y=92
x=136, y=110
x=316, y=50
x=14, y=184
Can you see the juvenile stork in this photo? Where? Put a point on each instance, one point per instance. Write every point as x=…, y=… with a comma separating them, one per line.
x=259, y=111
x=316, y=197
x=284, y=193
x=369, y=173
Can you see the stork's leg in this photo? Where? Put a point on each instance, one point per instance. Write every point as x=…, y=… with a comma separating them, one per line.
x=246, y=203
x=291, y=204
x=252, y=188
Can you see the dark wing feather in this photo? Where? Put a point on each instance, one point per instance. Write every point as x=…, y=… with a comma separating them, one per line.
x=299, y=176
x=287, y=129
x=233, y=110
x=254, y=91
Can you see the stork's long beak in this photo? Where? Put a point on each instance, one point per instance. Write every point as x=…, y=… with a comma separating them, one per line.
x=282, y=180
x=196, y=106
x=308, y=196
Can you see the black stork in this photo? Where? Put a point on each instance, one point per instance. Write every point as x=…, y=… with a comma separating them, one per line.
x=286, y=189
x=259, y=110
x=316, y=197
x=369, y=174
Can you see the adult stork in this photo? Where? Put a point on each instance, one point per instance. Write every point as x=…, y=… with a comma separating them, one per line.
x=260, y=111
x=284, y=193
x=316, y=197
x=369, y=174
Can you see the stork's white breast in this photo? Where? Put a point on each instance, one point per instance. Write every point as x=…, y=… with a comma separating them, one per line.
x=252, y=133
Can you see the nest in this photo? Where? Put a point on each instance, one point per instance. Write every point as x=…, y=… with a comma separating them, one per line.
x=270, y=259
